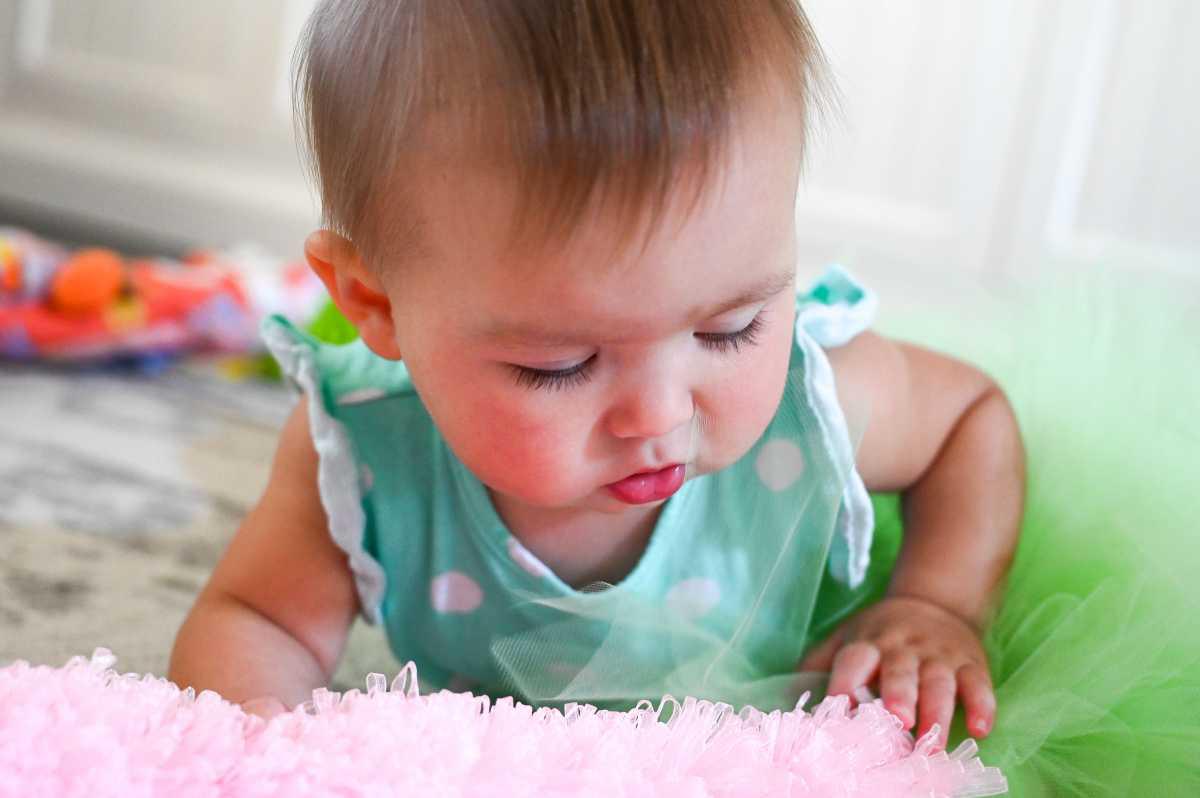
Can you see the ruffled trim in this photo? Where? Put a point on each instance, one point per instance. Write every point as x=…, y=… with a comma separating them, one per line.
x=836, y=309
x=85, y=729
x=337, y=469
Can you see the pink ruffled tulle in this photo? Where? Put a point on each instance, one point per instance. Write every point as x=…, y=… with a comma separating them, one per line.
x=84, y=730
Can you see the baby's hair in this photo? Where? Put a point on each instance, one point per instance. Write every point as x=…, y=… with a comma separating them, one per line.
x=579, y=97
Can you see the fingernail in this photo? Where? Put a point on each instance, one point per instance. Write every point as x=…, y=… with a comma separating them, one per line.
x=980, y=726
x=899, y=713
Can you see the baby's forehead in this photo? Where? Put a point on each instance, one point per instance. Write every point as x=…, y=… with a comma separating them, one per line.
x=465, y=197
x=732, y=248
x=589, y=318
x=453, y=198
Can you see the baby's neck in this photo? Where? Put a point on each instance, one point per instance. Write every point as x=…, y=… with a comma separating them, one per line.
x=582, y=547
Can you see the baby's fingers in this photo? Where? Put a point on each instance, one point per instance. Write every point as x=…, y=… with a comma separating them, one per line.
x=266, y=707
x=979, y=700
x=898, y=686
x=936, y=703
x=853, y=667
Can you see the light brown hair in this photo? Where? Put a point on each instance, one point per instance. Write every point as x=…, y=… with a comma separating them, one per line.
x=578, y=97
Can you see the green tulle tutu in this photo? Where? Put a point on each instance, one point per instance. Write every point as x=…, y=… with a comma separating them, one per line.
x=1095, y=651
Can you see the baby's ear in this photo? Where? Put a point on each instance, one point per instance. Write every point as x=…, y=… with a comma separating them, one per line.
x=355, y=289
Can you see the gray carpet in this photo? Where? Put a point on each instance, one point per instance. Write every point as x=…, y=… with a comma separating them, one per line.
x=118, y=493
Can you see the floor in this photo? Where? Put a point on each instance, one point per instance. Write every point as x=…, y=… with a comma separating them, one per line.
x=118, y=492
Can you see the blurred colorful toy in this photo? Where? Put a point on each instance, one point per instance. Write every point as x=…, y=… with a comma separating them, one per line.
x=95, y=305
x=10, y=267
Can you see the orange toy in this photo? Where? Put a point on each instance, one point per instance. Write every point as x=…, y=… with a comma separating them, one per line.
x=10, y=267
x=88, y=283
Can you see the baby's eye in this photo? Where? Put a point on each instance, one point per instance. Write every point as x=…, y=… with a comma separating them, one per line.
x=553, y=379
x=723, y=342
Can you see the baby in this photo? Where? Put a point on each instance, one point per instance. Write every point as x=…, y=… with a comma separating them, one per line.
x=566, y=234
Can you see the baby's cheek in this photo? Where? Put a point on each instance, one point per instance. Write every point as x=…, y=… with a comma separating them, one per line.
x=746, y=414
x=745, y=404
x=529, y=455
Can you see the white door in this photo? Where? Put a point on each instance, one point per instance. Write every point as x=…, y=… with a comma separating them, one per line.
x=1000, y=136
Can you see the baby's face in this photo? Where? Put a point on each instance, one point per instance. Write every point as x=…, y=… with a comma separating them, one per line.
x=557, y=375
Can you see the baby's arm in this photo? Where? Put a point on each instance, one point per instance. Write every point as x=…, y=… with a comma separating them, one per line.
x=943, y=433
x=272, y=620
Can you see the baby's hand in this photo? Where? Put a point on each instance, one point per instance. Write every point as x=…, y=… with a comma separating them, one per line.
x=266, y=707
x=921, y=656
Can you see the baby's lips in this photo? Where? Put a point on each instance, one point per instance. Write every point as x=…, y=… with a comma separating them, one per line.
x=649, y=486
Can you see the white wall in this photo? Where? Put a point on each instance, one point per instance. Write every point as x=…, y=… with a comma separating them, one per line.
x=166, y=118
x=995, y=136
x=987, y=136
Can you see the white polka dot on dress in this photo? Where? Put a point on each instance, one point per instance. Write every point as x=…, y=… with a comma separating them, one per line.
x=779, y=463
x=455, y=592
x=360, y=396
x=523, y=557
x=693, y=598
x=367, y=478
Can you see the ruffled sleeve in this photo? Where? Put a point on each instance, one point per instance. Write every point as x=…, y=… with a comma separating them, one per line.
x=834, y=310
x=327, y=376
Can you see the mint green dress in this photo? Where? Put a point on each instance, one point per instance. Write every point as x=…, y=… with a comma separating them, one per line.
x=721, y=604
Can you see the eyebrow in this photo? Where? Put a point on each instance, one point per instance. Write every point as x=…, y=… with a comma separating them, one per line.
x=533, y=333
x=759, y=292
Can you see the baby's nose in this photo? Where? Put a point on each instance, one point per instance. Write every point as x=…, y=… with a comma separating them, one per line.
x=652, y=412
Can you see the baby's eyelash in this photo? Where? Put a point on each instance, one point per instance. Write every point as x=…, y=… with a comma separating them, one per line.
x=723, y=342
x=561, y=379
x=554, y=380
